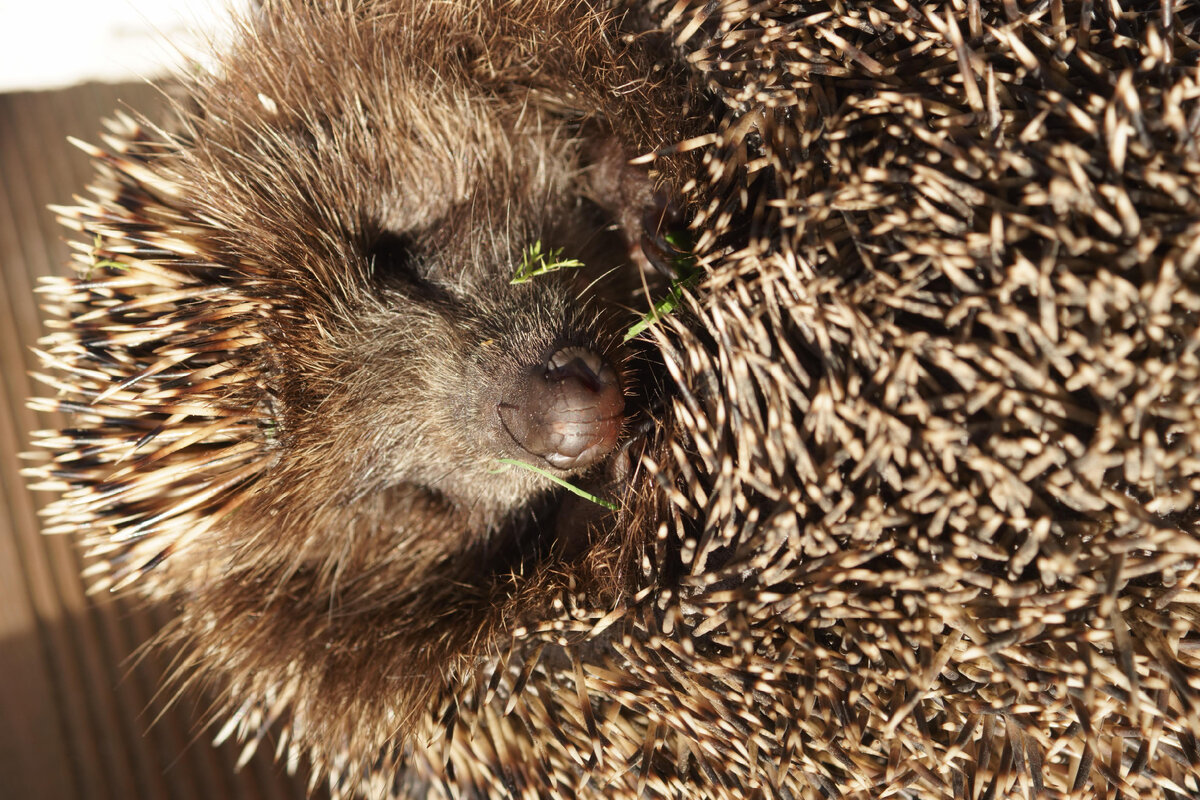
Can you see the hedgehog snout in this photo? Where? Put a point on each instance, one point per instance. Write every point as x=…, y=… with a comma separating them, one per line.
x=567, y=411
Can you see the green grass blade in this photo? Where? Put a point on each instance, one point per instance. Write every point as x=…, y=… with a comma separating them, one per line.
x=568, y=486
x=534, y=263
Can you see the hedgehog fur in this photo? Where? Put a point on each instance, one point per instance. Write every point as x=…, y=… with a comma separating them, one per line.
x=911, y=506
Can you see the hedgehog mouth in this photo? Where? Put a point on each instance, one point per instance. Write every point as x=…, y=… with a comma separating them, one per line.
x=568, y=411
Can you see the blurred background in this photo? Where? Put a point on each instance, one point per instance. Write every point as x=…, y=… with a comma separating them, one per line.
x=53, y=44
x=79, y=705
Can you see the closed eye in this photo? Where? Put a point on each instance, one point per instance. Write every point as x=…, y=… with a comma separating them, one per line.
x=391, y=258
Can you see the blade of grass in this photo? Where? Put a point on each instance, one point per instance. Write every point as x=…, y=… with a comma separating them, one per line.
x=101, y=263
x=534, y=263
x=568, y=486
x=687, y=275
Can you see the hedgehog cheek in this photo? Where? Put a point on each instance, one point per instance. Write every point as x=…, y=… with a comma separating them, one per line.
x=567, y=411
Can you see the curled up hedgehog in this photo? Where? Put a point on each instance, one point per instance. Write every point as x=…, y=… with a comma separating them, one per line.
x=876, y=323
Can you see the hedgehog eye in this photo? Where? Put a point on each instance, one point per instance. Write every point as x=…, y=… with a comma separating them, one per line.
x=391, y=257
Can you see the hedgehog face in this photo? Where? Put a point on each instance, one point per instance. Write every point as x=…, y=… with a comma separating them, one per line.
x=456, y=367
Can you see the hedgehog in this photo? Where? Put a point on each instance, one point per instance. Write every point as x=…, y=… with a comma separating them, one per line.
x=903, y=449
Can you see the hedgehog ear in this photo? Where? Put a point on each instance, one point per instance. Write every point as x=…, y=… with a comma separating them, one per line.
x=643, y=212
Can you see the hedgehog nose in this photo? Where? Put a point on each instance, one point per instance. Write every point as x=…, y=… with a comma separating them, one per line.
x=568, y=411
